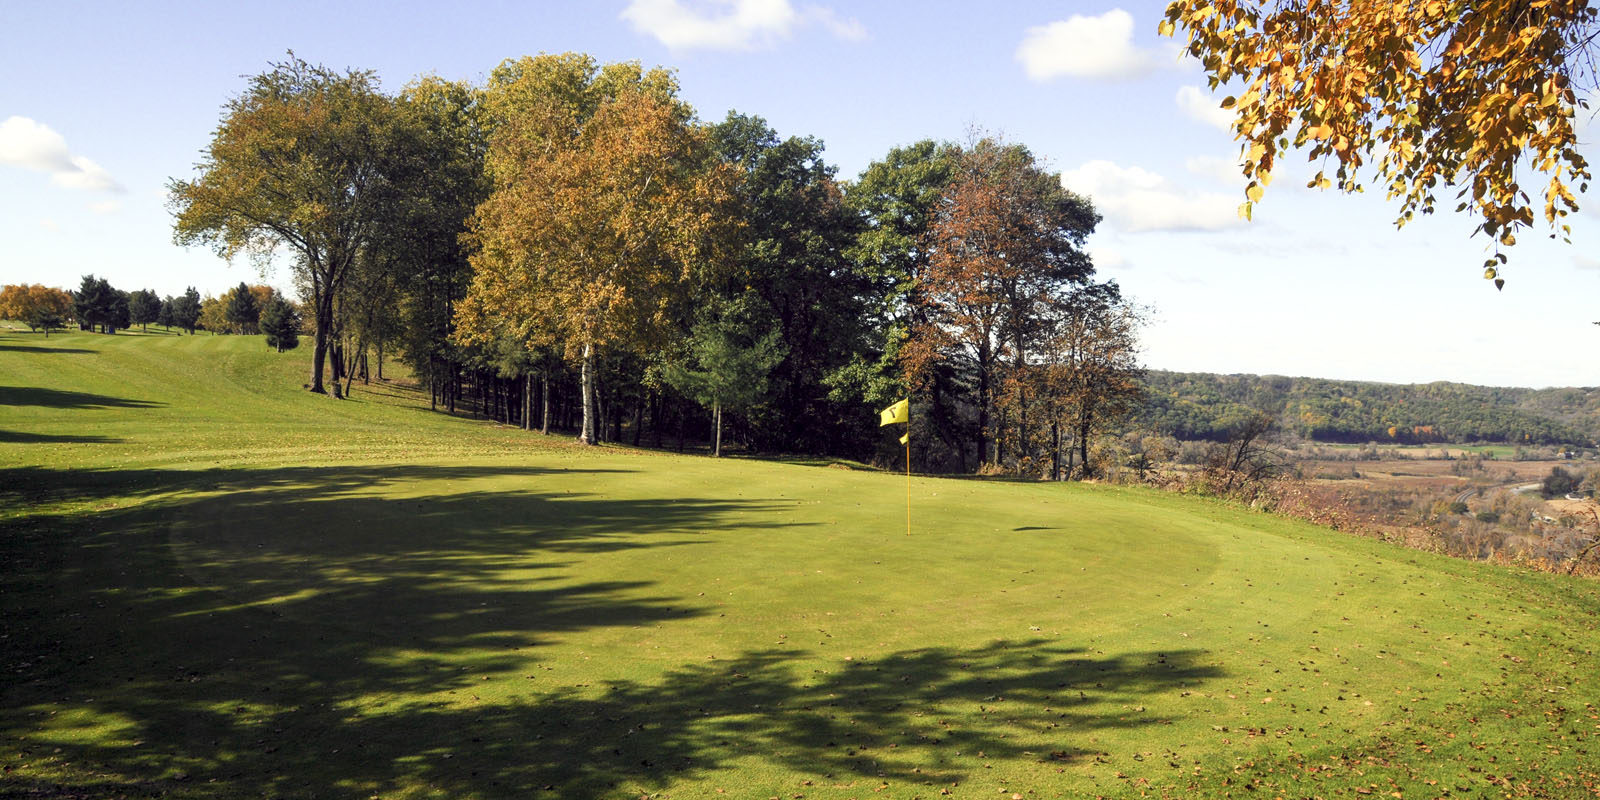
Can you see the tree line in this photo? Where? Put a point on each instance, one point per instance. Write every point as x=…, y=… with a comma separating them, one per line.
x=569, y=246
x=1204, y=406
x=99, y=306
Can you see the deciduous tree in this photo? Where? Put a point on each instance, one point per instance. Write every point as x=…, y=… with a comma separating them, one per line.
x=1248, y=459
x=790, y=274
x=1090, y=377
x=214, y=315
x=40, y=307
x=418, y=259
x=1005, y=241
x=606, y=203
x=895, y=199
x=728, y=360
x=295, y=163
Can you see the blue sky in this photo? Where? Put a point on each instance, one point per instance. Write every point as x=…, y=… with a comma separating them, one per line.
x=101, y=103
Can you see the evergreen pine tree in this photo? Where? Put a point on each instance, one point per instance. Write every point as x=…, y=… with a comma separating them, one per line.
x=186, y=310
x=243, y=311
x=97, y=304
x=144, y=307
x=281, y=323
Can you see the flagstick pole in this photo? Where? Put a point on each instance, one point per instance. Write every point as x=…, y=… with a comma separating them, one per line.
x=908, y=477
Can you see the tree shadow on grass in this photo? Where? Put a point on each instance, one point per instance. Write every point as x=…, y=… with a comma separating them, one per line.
x=29, y=348
x=32, y=485
x=59, y=398
x=23, y=437
x=298, y=633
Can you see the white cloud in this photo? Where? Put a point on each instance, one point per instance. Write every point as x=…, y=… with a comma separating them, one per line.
x=106, y=207
x=1085, y=47
x=1213, y=168
x=1585, y=263
x=1108, y=259
x=33, y=145
x=49, y=225
x=732, y=24
x=86, y=175
x=849, y=29
x=1198, y=104
x=26, y=143
x=1136, y=199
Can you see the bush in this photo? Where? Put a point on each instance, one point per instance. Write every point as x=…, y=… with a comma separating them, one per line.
x=1559, y=483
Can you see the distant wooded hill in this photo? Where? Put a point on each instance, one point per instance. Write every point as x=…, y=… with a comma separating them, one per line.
x=1193, y=405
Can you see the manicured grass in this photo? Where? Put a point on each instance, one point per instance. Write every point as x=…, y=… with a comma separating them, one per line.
x=1490, y=450
x=215, y=585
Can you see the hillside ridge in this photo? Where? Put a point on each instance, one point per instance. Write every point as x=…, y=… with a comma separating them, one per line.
x=1207, y=406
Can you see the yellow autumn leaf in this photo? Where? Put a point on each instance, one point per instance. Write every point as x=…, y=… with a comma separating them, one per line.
x=1370, y=83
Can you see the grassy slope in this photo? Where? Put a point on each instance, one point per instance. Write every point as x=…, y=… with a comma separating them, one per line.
x=215, y=584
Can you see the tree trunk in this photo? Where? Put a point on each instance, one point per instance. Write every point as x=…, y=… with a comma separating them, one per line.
x=638, y=422
x=1022, y=448
x=319, y=351
x=1055, y=451
x=983, y=406
x=544, y=414
x=587, y=434
x=1021, y=366
x=1084, y=421
x=1000, y=438
x=716, y=417
x=350, y=369
x=380, y=361
x=527, y=402
x=657, y=401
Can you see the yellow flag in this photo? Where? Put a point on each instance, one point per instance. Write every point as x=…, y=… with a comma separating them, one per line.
x=899, y=412
x=905, y=438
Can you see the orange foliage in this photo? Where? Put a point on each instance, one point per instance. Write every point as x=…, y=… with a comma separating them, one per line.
x=1432, y=95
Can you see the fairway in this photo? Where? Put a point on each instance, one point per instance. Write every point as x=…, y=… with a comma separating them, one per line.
x=215, y=584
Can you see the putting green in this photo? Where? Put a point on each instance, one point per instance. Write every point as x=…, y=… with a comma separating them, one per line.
x=218, y=585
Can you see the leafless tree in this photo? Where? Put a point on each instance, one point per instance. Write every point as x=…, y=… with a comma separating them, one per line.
x=1249, y=458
